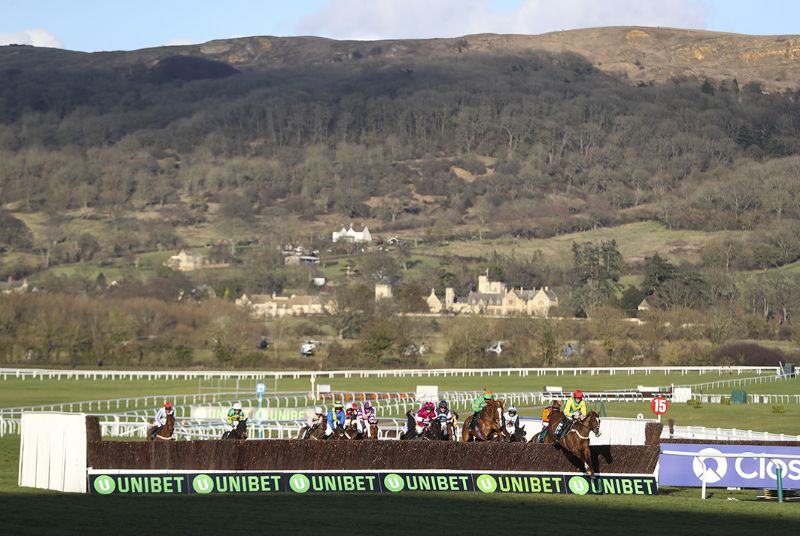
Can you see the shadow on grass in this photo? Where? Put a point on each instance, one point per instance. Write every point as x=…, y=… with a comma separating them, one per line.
x=382, y=514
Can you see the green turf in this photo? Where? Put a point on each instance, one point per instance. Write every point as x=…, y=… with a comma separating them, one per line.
x=17, y=392
x=35, y=512
x=757, y=417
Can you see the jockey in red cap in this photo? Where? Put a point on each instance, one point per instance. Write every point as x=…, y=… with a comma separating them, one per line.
x=576, y=406
x=161, y=418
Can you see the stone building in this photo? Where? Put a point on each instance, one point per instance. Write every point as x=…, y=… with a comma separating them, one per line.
x=494, y=298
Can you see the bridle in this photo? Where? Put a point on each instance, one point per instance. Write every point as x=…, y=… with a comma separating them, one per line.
x=589, y=428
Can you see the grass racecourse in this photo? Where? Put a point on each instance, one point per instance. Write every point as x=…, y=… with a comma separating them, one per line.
x=679, y=511
x=757, y=417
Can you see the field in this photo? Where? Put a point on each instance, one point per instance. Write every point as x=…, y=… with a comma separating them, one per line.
x=635, y=240
x=758, y=417
x=679, y=510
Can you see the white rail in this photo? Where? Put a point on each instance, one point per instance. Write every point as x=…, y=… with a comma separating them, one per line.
x=734, y=382
x=716, y=398
x=94, y=374
x=724, y=434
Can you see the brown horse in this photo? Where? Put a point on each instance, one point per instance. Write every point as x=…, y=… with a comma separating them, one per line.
x=163, y=433
x=489, y=427
x=555, y=415
x=452, y=427
x=350, y=430
x=576, y=440
x=315, y=432
x=371, y=429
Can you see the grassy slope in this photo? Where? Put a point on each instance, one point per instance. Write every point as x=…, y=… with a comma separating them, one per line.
x=38, y=512
x=635, y=241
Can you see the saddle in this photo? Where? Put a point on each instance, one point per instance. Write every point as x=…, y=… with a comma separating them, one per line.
x=563, y=427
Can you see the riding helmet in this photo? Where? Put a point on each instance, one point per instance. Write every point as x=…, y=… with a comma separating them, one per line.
x=237, y=406
x=367, y=404
x=577, y=394
x=512, y=409
x=168, y=405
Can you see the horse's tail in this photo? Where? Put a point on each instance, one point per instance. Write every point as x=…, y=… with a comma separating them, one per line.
x=411, y=421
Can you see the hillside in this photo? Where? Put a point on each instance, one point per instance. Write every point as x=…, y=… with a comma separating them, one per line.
x=637, y=53
x=609, y=164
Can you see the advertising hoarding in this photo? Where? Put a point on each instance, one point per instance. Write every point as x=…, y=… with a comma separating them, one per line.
x=723, y=472
x=113, y=482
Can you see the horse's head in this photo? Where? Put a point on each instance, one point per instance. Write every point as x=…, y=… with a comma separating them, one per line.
x=593, y=422
x=495, y=409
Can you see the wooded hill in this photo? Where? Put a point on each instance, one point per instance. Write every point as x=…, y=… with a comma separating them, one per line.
x=264, y=141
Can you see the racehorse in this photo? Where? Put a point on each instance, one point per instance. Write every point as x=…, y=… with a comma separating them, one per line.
x=164, y=433
x=576, y=439
x=518, y=436
x=315, y=432
x=350, y=431
x=240, y=432
x=371, y=429
x=432, y=432
x=489, y=427
x=452, y=427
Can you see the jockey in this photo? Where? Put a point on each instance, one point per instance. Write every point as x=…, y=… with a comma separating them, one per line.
x=366, y=415
x=477, y=406
x=424, y=416
x=444, y=415
x=161, y=418
x=316, y=418
x=336, y=418
x=351, y=415
x=555, y=406
x=576, y=406
x=235, y=414
x=511, y=420
x=575, y=409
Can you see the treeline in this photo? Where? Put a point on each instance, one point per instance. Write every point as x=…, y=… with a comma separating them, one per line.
x=73, y=331
x=578, y=148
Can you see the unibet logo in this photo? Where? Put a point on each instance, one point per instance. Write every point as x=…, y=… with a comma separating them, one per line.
x=299, y=483
x=712, y=474
x=104, y=485
x=394, y=482
x=486, y=483
x=203, y=484
x=578, y=485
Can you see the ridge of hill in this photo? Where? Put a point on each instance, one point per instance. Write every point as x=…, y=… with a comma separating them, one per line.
x=639, y=54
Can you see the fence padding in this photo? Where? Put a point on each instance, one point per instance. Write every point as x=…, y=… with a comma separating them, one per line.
x=93, y=428
x=280, y=455
x=652, y=433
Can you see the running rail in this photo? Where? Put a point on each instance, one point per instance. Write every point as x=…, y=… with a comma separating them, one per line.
x=94, y=374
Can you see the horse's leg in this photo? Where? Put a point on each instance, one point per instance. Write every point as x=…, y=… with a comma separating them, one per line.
x=587, y=459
